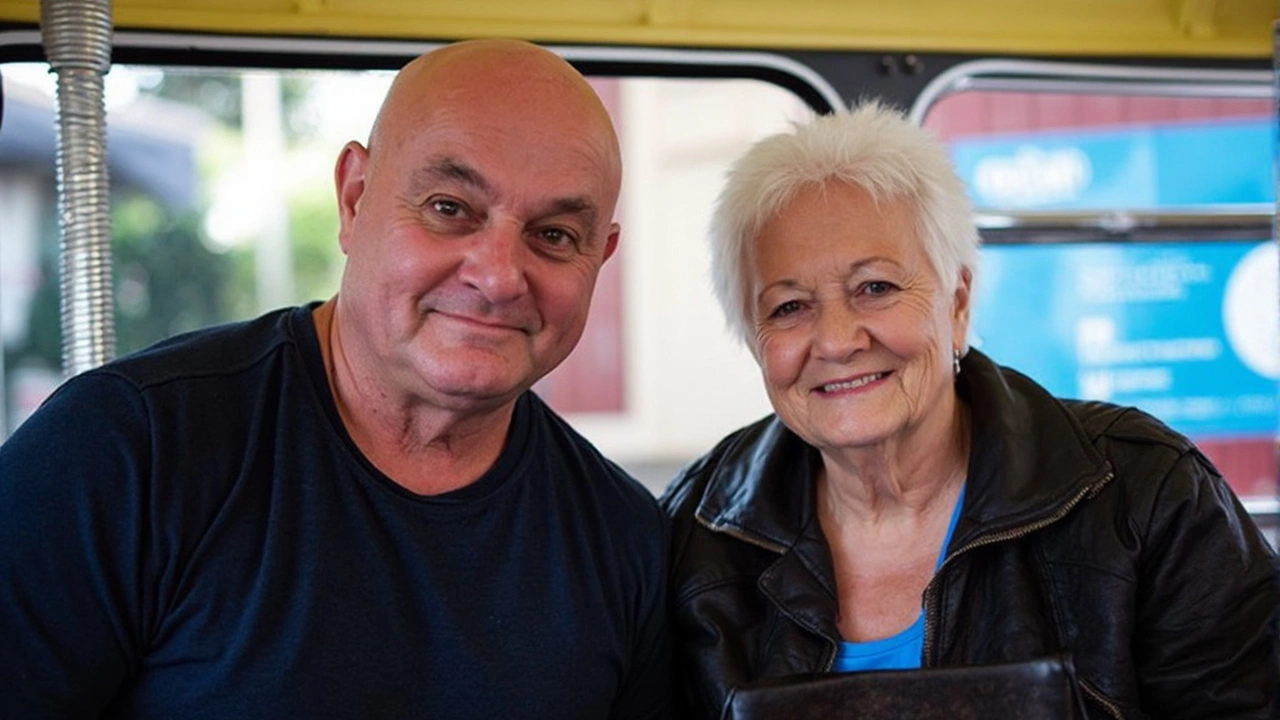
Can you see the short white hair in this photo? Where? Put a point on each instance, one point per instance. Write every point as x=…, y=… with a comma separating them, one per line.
x=872, y=147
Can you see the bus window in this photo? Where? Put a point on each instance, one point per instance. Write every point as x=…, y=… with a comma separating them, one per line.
x=222, y=207
x=1129, y=257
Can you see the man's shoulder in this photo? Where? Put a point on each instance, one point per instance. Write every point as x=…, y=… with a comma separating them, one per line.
x=206, y=382
x=593, y=477
x=207, y=352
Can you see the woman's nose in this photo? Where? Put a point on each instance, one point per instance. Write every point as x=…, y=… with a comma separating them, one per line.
x=839, y=332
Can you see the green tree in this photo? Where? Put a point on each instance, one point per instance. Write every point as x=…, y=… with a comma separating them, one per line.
x=218, y=93
x=167, y=280
x=313, y=233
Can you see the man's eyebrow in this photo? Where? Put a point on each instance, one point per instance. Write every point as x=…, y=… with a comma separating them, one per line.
x=448, y=169
x=572, y=206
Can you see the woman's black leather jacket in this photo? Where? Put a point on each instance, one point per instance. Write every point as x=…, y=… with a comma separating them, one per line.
x=1086, y=529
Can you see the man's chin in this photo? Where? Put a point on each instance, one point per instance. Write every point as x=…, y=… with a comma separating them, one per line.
x=461, y=390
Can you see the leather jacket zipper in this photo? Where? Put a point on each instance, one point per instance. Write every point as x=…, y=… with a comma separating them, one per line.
x=1097, y=697
x=739, y=535
x=931, y=591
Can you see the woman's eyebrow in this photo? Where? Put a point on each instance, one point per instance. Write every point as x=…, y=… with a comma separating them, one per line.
x=865, y=263
x=784, y=284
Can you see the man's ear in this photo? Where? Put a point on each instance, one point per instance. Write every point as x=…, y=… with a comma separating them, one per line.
x=611, y=241
x=349, y=178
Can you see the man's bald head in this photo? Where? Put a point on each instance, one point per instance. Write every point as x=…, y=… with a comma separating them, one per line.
x=501, y=78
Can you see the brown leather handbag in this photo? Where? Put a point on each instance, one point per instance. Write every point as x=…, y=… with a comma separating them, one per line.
x=1043, y=689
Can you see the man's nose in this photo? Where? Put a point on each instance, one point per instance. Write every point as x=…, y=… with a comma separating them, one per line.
x=496, y=264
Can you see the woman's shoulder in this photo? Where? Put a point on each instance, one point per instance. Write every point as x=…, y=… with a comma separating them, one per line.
x=1155, y=467
x=1102, y=424
x=1140, y=450
x=737, y=485
x=1107, y=421
x=686, y=489
x=1137, y=443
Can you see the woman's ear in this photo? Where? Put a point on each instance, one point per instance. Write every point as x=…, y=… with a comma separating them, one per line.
x=961, y=305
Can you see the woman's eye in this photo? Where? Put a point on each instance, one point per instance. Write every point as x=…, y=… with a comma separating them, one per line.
x=785, y=309
x=878, y=287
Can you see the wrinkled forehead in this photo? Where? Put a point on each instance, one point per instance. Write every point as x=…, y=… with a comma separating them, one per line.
x=498, y=79
x=545, y=152
x=549, y=119
x=520, y=164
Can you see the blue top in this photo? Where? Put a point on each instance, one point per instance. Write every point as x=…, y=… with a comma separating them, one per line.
x=896, y=652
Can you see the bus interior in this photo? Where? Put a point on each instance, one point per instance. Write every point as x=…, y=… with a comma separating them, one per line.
x=1120, y=155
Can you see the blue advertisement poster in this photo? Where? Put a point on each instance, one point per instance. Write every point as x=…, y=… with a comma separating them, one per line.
x=1189, y=332
x=1138, y=168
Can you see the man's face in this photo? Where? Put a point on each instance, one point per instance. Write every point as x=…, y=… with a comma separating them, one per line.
x=474, y=238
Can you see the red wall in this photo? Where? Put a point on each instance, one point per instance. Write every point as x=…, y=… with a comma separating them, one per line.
x=984, y=113
x=591, y=378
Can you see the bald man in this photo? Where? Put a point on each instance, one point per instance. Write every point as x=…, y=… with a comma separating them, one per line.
x=358, y=509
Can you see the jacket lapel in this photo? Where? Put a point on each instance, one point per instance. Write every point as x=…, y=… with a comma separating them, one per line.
x=1029, y=454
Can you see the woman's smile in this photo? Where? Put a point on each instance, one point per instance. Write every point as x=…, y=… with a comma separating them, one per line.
x=859, y=383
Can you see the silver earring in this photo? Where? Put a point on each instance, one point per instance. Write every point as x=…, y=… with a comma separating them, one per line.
x=955, y=360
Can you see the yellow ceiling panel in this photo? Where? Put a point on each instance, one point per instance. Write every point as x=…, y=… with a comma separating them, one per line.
x=1188, y=28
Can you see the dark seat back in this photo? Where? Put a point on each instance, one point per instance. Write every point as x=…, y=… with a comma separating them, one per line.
x=1042, y=689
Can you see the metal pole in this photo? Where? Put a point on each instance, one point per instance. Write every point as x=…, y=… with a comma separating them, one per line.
x=77, y=42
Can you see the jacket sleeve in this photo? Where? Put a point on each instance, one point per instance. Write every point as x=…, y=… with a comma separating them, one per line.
x=699, y=658
x=1207, y=643
x=71, y=523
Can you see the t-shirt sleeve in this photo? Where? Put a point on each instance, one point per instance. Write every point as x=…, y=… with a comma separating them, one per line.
x=72, y=527
x=646, y=692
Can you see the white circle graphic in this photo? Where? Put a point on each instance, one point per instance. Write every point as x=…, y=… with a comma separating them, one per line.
x=1251, y=310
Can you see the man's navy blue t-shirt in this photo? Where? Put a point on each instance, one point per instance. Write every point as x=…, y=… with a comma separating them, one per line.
x=191, y=533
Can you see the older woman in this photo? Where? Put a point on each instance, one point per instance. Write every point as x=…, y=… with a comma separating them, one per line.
x=912, y=504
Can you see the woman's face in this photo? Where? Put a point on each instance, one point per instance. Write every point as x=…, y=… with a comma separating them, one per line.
x=853, y=329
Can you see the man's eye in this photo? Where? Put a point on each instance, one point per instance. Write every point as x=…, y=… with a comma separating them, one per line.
x=555, y=236
x=558, y=239
x=448, y=208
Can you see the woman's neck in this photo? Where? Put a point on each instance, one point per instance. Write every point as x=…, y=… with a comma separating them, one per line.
x=910, y=473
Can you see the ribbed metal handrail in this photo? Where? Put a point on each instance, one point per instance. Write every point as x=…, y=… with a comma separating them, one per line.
x=77, y=41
